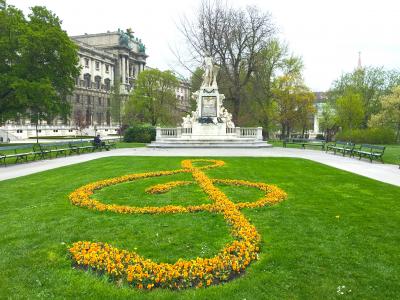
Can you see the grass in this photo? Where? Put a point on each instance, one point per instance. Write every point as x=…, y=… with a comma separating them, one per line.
x=391, y=155
x=335, y=229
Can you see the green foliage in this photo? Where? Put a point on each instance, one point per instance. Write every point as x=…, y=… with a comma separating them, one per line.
x=38, y=64
x=371, y=83
x=196, y=79
x=350, y=110
x=294, y=103
x=116, y=103
x=153, y=100
x=140, y=134
x=328, y=120
x=381, y=136
x=389, y=116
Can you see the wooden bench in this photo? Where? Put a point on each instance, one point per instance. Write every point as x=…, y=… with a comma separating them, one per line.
x=111, y=144
x=17, y=156
x=80, y=147
x=305, y=142
x=369, y=151
x=341, y=147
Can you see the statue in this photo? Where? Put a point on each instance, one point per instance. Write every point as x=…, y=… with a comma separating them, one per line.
x=228, y=118
x=210, y=73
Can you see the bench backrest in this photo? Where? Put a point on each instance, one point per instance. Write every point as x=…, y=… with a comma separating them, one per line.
x=377, y=149
x=346, y=144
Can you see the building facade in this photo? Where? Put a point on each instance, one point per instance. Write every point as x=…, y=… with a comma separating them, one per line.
x=107, y=60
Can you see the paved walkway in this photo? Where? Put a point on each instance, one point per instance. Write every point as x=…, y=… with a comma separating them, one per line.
x=382, y=172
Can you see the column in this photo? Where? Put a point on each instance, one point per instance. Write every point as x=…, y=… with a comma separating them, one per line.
x=123, y=69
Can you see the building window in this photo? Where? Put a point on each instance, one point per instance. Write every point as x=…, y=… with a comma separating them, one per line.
x=78, y=98
x=39, y=130
x=99, y=101
x=97, y=65
x=87, y=79
x=19, y=130
x=107, y=68
x=108, y=102
x=97, y=80
x=107, y=82
x=89, y=100
x=55, y=130
x=99, y=118
x=70, y=130
x=86, y=62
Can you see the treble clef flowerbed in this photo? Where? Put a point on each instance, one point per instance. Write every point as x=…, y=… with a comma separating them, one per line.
x=144, y=273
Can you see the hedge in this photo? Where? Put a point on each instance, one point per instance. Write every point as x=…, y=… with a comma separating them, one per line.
x=140, y=134
x=368, y=136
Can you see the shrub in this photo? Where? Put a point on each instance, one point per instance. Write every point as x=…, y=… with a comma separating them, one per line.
x=140, y=134
x=368, y=136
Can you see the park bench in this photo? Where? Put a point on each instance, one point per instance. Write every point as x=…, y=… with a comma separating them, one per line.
x=80, y=147
x=305, y=142
x=16, y=155
x=341, y=147
x=111, y=144
x=369, y=151
x=53, y=148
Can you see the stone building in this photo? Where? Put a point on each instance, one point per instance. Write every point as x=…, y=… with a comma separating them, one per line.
x=106, y=59
x=183, y=94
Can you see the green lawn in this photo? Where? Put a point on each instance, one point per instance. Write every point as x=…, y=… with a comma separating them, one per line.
x=391, y=156
x=335, y=229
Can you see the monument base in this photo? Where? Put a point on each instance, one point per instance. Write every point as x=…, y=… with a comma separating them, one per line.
x=209, y=136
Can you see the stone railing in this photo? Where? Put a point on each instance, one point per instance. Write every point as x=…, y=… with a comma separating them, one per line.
x=245, y=132
x=186, y=130
x=236, y=133
x=167, y=132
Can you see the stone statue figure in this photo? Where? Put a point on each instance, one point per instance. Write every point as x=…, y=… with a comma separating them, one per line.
x=228, y=118
x=210, y=72
x=187, y=121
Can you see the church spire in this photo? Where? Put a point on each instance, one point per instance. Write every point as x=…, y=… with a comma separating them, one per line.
x=359, y=66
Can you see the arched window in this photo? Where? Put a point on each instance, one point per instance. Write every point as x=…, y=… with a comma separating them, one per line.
x=87, y=80
x=107, y=82
x=97, y=81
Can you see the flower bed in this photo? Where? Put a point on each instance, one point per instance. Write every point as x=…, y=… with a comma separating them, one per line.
x=146, y=274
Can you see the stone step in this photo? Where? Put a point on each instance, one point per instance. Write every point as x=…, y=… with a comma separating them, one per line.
x=210, y=144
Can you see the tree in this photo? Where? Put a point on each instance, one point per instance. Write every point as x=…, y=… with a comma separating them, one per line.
x=328, y=121
x=233, y=37
x=116, y=105
x=389, y=116
x=154, y=100
x=271, y=60
x=196, y=79
x=294, y=102
x=38, y=65
x=350, y=110
x=371, y=83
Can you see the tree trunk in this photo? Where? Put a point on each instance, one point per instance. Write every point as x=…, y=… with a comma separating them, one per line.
x=37, y=134
x=398, y=133
x=236, y=109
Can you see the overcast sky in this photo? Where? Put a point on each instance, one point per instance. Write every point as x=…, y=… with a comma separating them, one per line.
x=327, y=34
